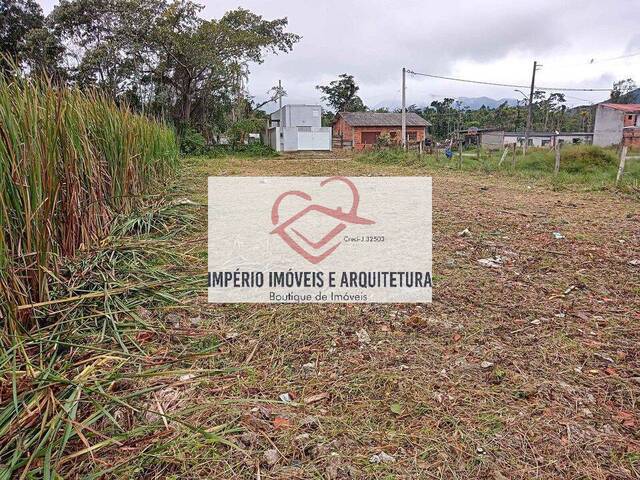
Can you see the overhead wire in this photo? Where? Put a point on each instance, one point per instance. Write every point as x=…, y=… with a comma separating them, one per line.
x=510, y=85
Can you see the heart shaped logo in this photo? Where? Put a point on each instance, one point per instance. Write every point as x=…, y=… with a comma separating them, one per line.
x=316, y=250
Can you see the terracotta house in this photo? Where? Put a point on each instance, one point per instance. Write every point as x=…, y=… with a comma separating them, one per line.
x=362, y=129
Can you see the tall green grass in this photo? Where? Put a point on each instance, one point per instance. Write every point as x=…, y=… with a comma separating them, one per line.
x=69, y=161
x=587, y=166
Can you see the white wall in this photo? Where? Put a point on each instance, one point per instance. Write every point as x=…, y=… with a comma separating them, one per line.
x=607, y=129
x=318, y=138
x=299, y=116
x=301, y=130
x=492, y=140
x=537, y=140
x=289, y=139
x=273, y=138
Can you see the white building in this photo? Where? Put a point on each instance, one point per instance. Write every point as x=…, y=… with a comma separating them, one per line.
x=298, y=127
x=548, y=139
x=615, y=121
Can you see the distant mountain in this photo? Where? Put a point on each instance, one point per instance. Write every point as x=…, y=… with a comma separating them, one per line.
x=475, y=103
x=472, y=103
x=392, y=105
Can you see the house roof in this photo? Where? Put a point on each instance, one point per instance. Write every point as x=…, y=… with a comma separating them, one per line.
x=623, y=107
x=549, y=134
x=482, y=130
x=374, y=119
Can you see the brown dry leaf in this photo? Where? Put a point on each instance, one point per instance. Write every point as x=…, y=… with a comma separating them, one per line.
x=281, y=423
x=316, y=398
x=627, y=419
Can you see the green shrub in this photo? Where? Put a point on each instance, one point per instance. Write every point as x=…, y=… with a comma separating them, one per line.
x=386, y=156
x=587, y=158
x=192, y=142
x=255, y=150
x=240, y=130
x=252, y=150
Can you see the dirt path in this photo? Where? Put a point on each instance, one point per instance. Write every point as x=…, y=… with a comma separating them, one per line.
x=529, y=370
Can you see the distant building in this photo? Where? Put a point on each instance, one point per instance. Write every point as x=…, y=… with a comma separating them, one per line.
x=361, y=130
x=489, y=138
x=548, y=139
x=616, y=124
x=298, y=127
x=495, y=138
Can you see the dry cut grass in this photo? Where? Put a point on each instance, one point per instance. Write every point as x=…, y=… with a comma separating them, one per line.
x=528, y=370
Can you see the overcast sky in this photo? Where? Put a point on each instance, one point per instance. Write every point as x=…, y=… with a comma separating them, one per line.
x=492, y=40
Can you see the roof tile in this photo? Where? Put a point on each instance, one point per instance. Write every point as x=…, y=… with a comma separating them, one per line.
x=375, y=119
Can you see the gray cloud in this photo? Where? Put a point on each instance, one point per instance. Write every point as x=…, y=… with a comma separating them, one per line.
x=374, y=39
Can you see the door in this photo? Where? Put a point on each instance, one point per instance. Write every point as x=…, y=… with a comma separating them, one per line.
x=370, y=138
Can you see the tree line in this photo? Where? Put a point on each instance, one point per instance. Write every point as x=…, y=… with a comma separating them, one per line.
x=158, y=56
x=549, y=111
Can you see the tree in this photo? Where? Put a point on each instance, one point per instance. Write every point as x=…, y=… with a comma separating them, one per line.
x=240, y=130
x=43, y=53
x=621, y=90
x=199, y=56
x=341, y=95
x=275, y=93
x=17, y=19
x=110, y=40
x=161, y=56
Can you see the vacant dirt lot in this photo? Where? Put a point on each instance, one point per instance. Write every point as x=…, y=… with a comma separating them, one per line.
x=527, y=370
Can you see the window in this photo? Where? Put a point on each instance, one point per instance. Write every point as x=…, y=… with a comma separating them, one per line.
x=412, y=136
x=545, y=142
x=370, y=138
x=576, y=141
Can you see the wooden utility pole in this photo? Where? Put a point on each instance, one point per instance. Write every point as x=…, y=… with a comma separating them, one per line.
x=530, y=107
x=404, y=110
x=556, y=168
x=623, y=159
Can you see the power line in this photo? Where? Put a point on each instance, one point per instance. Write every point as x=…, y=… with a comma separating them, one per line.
x=594, y=60
x=510, y=85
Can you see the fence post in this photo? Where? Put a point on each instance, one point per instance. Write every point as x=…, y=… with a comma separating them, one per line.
x=504, y=154
x=556, y=168
x=623, y=159
x=459, y=154
x=513, y=158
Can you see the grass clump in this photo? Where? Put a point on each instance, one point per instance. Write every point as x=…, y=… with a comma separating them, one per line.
x=587, y=165
x=389, y=156
x=69, y=160
x=68, y=387
x=252, y=150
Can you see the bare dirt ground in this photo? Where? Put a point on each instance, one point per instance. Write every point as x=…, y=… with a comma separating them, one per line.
x=530, y=369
